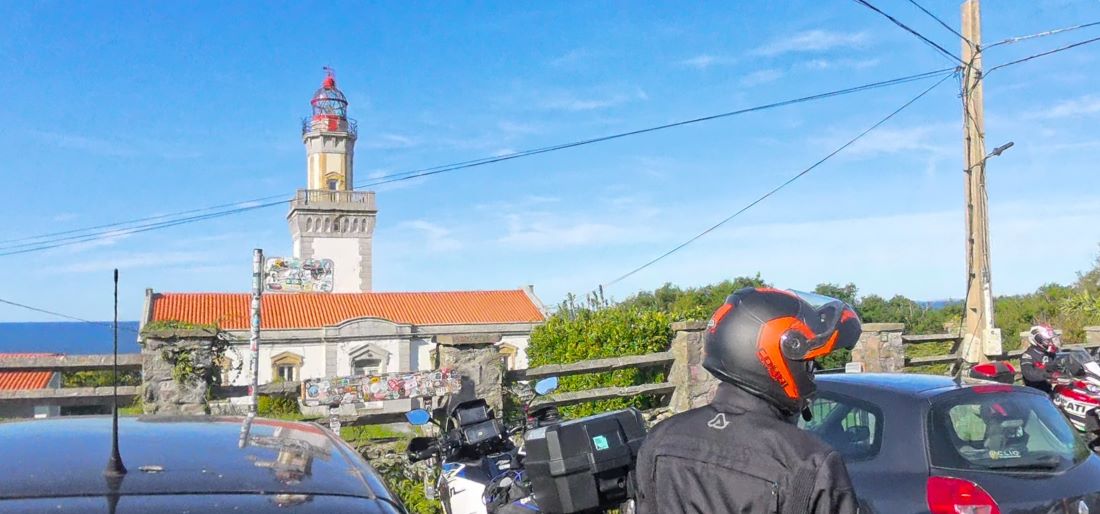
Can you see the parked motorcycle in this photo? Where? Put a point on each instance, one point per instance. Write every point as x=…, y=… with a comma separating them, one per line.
x=1077, y=388
x=474, y=448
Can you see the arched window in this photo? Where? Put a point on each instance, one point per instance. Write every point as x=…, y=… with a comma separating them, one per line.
x=369, y=360
x=508, y=355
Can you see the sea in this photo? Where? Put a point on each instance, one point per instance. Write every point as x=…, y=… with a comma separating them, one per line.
x=70, y=338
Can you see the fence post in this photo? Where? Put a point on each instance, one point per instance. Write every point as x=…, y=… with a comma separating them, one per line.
x=880, y=348
x=476, y=357
x=176, y=369
x=695, y=386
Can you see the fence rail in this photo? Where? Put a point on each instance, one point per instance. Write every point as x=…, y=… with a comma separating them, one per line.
x=599, y=366
x=593, y=366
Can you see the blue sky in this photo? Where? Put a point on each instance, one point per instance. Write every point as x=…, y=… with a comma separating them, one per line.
x=121, y=110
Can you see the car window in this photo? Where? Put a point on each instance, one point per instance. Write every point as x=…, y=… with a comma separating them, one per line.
x=1003, y=430
x=852, y=427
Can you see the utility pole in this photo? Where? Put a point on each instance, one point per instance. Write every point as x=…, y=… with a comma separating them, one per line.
x=980, y=338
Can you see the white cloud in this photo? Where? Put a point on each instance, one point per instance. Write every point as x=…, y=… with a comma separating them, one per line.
x=759, y=77
x=391, y=142
x=813, y=41
x=130, y=261
x=436, y=237
x=937, y=140
x=1077, y=107
x=64, y=216
x=571, y=57
x=704, y=61
x=541, y=231
x=569, y=101
x=837, y=64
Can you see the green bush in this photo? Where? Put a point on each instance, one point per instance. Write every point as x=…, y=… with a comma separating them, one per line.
x=277, y=406
x=582, y=333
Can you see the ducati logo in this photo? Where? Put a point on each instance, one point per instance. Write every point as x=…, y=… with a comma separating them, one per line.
x=719, y=422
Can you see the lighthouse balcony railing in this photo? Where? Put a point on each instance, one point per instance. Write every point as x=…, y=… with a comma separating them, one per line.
x=309, y=124
x=361, y=199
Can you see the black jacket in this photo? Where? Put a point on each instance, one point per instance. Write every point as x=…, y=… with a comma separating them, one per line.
x=1036, y=367
x=739, y=455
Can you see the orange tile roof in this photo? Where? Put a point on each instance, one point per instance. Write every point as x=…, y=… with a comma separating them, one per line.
x=15, y=380
x=315, y=310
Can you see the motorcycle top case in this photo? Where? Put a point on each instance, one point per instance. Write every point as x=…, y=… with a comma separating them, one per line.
x=997, y=371
x=583, y=464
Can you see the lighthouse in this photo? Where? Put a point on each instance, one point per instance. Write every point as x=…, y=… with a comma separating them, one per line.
x=329, y=219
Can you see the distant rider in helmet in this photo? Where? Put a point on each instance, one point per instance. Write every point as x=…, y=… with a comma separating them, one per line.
x=1038, y=359
x=743, y=452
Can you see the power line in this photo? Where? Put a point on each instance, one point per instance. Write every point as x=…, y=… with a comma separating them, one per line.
x=911, y=31
x=137, y=220
x=1041, y=54
x=44, y=242
x=1043, y=34
x=942, y=23
x=60, y=315
x=72, y=240
x=777, y=188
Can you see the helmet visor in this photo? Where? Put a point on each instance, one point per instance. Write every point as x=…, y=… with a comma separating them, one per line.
x=833, y=322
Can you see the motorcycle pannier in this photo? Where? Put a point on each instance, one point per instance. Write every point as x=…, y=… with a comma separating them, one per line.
x=583, y=464
x=997, y=371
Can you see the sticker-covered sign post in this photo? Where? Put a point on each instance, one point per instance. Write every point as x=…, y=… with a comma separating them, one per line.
x=366, y=391
x=254, y=335
x=293, y=275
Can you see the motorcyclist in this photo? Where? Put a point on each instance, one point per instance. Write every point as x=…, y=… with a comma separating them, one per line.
x=1037, y=361
x=743, y=452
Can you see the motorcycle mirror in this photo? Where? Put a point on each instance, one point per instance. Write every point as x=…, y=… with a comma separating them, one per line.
x=418, y=417
x=546, y=385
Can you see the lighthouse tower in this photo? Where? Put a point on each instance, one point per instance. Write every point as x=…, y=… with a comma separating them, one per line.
x=328, y=219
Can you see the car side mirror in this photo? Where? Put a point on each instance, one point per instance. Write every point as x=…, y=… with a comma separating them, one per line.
x=418, y=417
x=546, y=386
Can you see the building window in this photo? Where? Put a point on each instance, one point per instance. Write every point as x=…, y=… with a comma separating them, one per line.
x=508, y=355
x=286, y=367
x=367, y=366
x=285, y=372
x=333, y=184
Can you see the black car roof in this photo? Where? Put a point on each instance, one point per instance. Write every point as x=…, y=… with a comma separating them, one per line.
x=907, y=384
x=180, y=455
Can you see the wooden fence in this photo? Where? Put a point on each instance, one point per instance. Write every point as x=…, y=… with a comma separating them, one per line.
x=952, y=357
x=85, y=396
x=661, y=359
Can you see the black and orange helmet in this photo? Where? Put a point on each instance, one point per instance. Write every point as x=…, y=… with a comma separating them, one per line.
x=765, y=341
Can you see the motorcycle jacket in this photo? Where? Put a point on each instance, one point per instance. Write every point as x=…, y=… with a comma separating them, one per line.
x=1036, y=365
x=740, y=454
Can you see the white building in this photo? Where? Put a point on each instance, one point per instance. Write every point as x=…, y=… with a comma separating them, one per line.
x=350, y=330
x=313, y=335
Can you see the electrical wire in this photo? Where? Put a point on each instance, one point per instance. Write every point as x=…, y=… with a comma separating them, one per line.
x=777, y=188
x=942, y=23
x=1041, y=54
x=60, y=315
x=43, y=242
x=1042, y=34
x=905, y=27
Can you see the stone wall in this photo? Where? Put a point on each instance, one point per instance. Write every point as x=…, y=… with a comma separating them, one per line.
x=880, y=348
x=176, y=368
x=476, y=358
x=695, y=386
x=1092, y=335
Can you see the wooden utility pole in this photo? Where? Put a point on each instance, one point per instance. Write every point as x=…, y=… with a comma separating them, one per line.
x=980, y=338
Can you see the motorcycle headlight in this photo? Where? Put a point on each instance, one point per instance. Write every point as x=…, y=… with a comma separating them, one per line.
x=1093, y=388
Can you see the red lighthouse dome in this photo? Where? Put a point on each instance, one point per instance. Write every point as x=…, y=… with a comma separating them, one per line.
x=330, y=107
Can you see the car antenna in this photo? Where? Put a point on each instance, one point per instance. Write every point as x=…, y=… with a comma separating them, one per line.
x=115, y=468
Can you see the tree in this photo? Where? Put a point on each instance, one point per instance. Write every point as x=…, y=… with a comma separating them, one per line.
x=846, y=293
